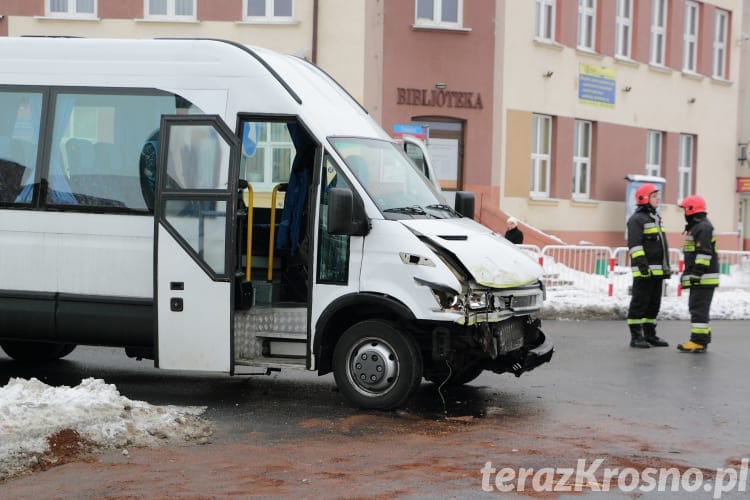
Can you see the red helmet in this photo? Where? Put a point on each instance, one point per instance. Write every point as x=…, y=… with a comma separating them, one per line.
x=643, y=192
x=693, y=204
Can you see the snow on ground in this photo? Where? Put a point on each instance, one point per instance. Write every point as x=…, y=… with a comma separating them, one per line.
x=36, y=418
x=573, y=304
x=33, y=415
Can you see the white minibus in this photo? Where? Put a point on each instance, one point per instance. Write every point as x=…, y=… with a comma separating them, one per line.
x=218, y=207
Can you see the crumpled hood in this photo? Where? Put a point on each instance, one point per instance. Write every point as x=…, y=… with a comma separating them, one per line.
x=492, y=260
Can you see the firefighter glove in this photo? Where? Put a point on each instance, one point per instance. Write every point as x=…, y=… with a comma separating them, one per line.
x=644, y=270
x=695, y=280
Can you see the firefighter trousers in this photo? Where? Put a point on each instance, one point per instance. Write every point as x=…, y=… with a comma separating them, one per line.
x=699, y=305
x=645, y=300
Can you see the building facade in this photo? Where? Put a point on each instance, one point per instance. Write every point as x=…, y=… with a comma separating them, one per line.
x=558, y=102
x=542, y=107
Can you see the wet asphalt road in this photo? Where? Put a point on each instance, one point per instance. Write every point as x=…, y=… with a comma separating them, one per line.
x=691, y=408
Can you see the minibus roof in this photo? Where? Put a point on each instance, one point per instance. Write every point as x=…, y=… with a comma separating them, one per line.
x=219, y=76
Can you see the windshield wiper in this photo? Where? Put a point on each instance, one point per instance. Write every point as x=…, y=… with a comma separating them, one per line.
x=412, y=210
x=442, y=206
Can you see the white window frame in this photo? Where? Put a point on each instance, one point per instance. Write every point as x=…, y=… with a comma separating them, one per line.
x=541, y=156
x=685, y=165
x=587, y=25
x=690, y=37
x=437, y=12
x=582, y=134
x=72, y=10
x=658, y=48
x=721, y=27
x=545, y=20
x=654, y=142
x=269, y=144
x=624, y=29
x=269, y=16
x=170, y=15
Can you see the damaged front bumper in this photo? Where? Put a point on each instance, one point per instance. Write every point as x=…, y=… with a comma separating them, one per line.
x=516, y=345
x=530, y=359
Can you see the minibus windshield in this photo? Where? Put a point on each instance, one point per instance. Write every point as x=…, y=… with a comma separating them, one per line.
x=398, y=189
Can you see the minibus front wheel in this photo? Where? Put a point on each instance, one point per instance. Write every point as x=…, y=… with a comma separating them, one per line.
x=376, y=365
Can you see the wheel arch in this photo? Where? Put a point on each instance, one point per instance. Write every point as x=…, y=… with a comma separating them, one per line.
x=346, y=311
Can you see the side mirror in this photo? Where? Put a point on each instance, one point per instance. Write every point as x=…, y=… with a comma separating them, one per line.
x=346, y=215
x=465, y=203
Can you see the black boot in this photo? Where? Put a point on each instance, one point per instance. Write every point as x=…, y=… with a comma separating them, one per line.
x=636, y=337
x=649, y=334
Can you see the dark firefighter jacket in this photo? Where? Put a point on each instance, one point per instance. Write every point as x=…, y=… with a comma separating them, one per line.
x=647, y=242
x=701, y=257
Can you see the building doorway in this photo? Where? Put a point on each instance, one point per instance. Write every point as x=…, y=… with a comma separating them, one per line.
x=445, y=141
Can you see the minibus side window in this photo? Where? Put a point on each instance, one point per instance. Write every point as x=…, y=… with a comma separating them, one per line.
x=104, y=149
x=20, y=115
x=333, y=254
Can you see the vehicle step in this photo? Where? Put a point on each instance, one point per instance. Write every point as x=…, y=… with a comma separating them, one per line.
x=272, y=319
x=295, y=336
x=273, y=362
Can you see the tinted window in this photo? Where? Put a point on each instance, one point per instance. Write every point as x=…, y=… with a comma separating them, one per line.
x=104, y=149
x=20, y=115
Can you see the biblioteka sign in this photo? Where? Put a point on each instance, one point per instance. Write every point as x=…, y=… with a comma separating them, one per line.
x=439, y=98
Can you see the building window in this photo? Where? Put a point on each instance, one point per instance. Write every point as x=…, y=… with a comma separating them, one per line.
x=581, y=159
x=267, y=154
x=541, y=155
x=658, y=32
x=624, y=29
x=439, y=13
x=690, y=38
x=71, y=8
x=170, y=10
x=545, y=20
x=587, y=24
x=653, y=153
x=720, y=44
x=685, y=164
x=269, y=11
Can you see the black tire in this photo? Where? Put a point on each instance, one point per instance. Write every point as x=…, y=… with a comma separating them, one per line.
x=376, y=366
x=458, y=376
x=36, y=351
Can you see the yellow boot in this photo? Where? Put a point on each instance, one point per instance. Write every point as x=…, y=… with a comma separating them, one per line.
x=691, y=346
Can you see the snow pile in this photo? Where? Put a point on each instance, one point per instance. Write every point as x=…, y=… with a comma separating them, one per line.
x=572, y=294
x=576, y=304
x=31, y=412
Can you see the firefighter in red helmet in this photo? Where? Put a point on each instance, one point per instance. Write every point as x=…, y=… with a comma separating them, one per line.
x=649, y=258
x=701, y=274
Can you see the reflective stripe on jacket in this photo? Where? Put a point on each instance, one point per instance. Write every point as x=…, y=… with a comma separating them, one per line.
x=701, y=255
x=647, y=243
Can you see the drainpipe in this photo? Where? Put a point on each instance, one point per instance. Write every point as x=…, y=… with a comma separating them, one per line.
x=314, y=55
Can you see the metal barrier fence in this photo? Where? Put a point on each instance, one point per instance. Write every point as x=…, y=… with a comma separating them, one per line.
x=607, y=270
x=734, y=267
x=581, y=267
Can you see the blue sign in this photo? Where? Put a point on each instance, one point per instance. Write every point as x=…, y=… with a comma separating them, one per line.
x=408, y=129
x=250, y=138
x=596, y=85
